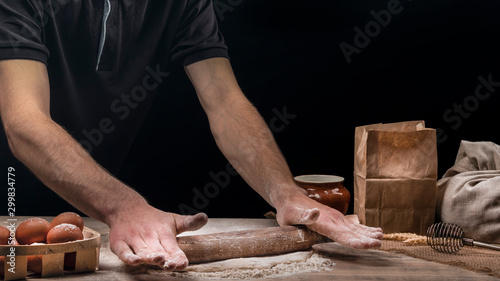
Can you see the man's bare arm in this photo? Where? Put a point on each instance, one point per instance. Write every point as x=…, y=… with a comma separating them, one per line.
x=248, y=144
x=51, y=153
x=239, y=130
x=139, y=232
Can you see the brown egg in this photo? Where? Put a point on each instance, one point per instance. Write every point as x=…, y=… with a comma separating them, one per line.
x=68, y=217
x=35, y=264
x=64, y=232
x=32, y=231
x=4, y=235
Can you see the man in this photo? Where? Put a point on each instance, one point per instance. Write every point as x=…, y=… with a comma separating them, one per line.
x=86, y=70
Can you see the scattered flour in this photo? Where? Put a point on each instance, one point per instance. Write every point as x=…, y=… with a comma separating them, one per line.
x=235, y=269
x=259, y=267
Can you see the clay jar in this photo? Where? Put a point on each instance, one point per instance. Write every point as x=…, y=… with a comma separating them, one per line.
x=326, y=189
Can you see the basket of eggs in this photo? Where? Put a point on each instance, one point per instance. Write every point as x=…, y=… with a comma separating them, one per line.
x=37, y=248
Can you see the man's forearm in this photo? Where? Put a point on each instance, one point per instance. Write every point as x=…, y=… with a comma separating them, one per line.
x=249, y=145
x=64, y=166
x=245, y=140
x=240, y=132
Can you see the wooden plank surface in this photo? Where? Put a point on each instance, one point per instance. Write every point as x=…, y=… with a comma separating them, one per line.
x=350, y=264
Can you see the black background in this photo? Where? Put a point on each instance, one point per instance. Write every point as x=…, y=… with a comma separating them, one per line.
x=286, y=54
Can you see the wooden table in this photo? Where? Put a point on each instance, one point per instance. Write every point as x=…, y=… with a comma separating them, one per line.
x=350, y=264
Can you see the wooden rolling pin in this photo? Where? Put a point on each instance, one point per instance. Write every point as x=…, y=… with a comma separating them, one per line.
x=248, y=243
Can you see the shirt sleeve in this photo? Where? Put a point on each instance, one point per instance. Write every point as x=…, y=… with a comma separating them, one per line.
x=198, y=36
x=22, y=30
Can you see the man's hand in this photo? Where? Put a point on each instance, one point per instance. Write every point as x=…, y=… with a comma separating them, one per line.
x=148, y=235
x=298, y=208
x=139, y=232
x=234, y=121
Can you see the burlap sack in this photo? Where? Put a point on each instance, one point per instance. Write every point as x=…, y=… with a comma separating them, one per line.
x=395, y=173
x=469, y=192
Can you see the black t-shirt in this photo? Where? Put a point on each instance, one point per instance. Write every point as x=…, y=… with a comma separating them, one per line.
x=107, y=59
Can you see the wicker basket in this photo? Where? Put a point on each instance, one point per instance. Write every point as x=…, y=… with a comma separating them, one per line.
x=87, y=256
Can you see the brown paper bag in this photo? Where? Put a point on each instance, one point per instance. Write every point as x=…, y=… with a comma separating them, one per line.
x=395, y=174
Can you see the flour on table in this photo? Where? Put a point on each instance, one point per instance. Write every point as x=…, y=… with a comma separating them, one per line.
x=239, y=269
x=232, y=269
x=258, y=267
